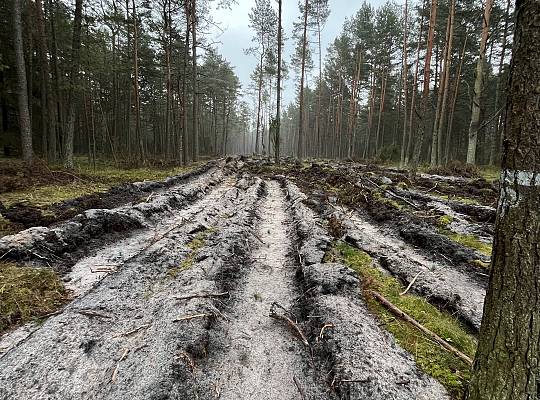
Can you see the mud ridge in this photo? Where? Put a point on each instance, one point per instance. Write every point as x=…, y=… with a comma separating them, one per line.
x=139, y=333
x=254, y=356
x=68, y=241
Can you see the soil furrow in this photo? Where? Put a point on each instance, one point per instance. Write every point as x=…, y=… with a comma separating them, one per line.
x=442, y=284
x=125, y=338
x=260, y=357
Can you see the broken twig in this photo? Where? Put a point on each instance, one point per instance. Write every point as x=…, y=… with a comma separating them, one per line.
x=290, y=322
x=190, y=317
x=410, y=284
x=115, y=372
x=202, y=296
x=398, y=313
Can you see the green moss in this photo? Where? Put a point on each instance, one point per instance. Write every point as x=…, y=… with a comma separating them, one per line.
x=460, y=199
x=381, y=198
x=481, y=264
x=490, y=173
x=195, y=245
x=470, y=241
x=445, y=220
x=93, y=181
x=452, y=372
x=6, y=227
x=27, y=294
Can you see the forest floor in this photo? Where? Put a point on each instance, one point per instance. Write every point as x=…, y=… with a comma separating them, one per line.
x=243, y=279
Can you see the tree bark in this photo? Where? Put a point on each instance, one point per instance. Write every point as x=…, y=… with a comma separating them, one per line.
x=478, y=86
x=22, y=88
x=138, y=133
x=422, y=115
x=74, y=79
x=278, y=102
x=300, y=149
x=405, y=73
x=195, y=133
x=507, y=366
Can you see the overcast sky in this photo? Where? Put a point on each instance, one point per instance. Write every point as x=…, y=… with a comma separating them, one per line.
x=237, y=35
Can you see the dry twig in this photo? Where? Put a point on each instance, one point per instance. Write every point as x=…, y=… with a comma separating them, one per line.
x=290, y=322
x=325, y=326
x=202, y=296
x=115, y=372
x=190, y=317
x=410, y=284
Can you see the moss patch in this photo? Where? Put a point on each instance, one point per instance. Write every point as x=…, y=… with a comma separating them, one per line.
x=195, y=245
x=28, y=293
x=86, y=181
x=469, y=241
x=452, y=372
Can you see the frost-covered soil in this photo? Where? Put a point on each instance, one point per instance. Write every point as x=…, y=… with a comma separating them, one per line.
x=215, y=288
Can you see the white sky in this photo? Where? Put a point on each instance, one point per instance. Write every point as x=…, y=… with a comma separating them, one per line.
x=237, y=34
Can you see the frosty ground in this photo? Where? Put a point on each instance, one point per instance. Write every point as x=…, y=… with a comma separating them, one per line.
x=244, y=279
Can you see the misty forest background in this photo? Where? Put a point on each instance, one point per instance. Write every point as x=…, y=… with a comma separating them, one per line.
x=140, y=81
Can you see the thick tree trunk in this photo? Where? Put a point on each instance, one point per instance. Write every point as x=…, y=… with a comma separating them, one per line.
x=405, y=74
x=195, y=133
x=422, y=115
x=454, y=101
x=478, y=86
x=436, y=143
x=495, y=143
x=184, y=86
x=507, y=365
x=74, y=80
x=300, y=148
x=22, y=88
x=278, y=102
x=138, y=133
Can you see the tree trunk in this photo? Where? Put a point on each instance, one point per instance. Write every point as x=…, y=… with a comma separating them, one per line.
x=74, y=79
x=495, y=144
x=405, y=81
x=278, y=102
x=478, y=86
x=195, y=133
x=379, y=140
x=422, y=115
x=507, y=365
x=22, y=89
x=436, y=143
x=258, y=133
x=184, y=86
x=300, y=149
x=138, y=133
x=454, y=100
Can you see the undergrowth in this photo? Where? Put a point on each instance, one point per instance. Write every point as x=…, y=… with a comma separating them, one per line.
x=452, y=372
x=469, y=241
x=27, y=294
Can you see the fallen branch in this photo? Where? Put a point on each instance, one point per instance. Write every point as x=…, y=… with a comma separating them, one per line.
x=410, y=284
x=398, y=313
x=290, y=322
x=140, y=328
x=190, y=317
x=202, y=296
x=393, y=194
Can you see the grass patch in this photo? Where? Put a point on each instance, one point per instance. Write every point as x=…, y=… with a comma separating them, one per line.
x=490, y=173
x=86, y=181
x=444, y=220
x=195, y=245
x=27, y=294
x=469, y=241
x=452, y=372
